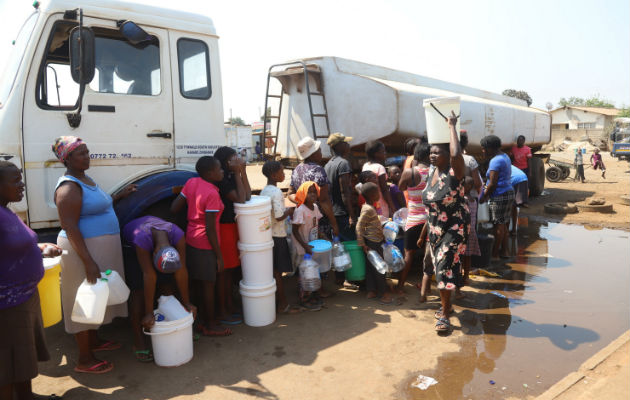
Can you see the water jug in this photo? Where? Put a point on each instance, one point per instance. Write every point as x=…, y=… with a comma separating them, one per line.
x=393, y=257
x=377, y=261
x=91, y=302
x=341, y=258
x=118, y=290
x=309, y=274
x=171, y=308
x=400, y=217
x=390, y=231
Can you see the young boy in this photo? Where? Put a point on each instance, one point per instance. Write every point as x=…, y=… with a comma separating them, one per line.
x=305, y=228
x=364, y=177
x=204, y=259
x=274, y=171
x=393, y=177
x=370, y=237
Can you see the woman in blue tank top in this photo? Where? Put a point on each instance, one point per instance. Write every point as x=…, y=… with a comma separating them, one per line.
x=91, y=235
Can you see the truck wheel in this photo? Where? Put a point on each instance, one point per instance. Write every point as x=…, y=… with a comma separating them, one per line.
x=554, y=174
x=536, y=176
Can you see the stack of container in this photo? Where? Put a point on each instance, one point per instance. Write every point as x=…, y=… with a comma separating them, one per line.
x=258, y=288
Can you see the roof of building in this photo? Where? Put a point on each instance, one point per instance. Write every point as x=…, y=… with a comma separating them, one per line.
x=597, y=110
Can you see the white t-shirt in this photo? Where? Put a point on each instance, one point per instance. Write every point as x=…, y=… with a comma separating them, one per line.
x=278, y=229
x=308, y=220
x=379, y=170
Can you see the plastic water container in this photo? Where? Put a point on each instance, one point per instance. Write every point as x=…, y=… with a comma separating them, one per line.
x=171, y=308
x=393, y=257
x=253, y=219
x=357, y=271
x=118, y=290
x=259, y=304
x=437, y=128
x=257, y=263
x=400, y=217
x=483, y=212
x=322, y=254
x=91, y=302
x=341, y=258
x=377, y=261
x=50, y=293
x=309, y=274
x=172, y=341
x=390, y=231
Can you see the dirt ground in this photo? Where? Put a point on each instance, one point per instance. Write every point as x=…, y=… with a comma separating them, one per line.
x=617, y=183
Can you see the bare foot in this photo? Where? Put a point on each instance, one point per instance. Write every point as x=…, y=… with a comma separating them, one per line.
x=371, y=295
x=422, y=298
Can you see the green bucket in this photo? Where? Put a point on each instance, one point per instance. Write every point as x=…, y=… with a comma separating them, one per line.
x=357, y=272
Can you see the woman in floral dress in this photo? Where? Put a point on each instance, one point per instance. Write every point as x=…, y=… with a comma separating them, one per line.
x=449, y=219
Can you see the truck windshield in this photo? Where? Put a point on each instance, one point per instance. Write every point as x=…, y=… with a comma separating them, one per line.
x=12, y=64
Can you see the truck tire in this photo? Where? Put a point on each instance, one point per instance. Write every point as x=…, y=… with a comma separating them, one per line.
x=536, y=176
x=554, y=174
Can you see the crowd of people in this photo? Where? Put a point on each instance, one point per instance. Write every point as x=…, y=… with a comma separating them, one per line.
x=440, y=185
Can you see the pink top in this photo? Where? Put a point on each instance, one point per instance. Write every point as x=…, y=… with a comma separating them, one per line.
x=201, y=197
x=379, y=170
x=417, y=210
x=308, y=220
x=521, y=155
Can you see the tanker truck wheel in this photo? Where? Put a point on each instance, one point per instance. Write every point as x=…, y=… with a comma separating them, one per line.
x=536, y=176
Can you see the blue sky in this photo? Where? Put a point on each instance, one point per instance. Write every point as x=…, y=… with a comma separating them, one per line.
x=551, y=49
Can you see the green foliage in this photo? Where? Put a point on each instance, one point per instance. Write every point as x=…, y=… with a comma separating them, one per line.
x=519, y=94
x=236, y=121
x=593, y=101
x=262, y=117
x=624, y=112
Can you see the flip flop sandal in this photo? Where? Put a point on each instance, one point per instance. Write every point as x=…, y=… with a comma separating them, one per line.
x=442, y=325
x=94, y=368
x=143, y=356
x=235, y=321
x=289, y=309
x=438, y=314
x=196, y=336
x=207, y=332
x=386, y=302
x=108, y=346
x=310, y=306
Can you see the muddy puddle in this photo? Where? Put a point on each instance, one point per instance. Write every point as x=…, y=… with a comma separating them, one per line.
x=562, y=298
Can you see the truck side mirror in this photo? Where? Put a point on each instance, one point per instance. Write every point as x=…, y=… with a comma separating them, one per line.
x=82, y=59
x=134, y=34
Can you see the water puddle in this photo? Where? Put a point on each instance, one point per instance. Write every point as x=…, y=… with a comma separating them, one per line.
x=559, y=301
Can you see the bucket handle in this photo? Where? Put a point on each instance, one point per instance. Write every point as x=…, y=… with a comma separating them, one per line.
x=177, y=328
x=440, y=112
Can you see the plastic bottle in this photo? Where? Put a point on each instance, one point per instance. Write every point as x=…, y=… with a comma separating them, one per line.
x=309, y=274
x=118, y=290
x=377, y=261
x=171, y=308
x=341, y=258
x=91, y=302
x=393, y=257
x=390, y=231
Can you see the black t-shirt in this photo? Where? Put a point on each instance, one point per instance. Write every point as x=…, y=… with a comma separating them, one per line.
x=226, y=186
x=336, y=167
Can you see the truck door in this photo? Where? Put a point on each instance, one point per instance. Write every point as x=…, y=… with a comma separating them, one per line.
x=127, y=117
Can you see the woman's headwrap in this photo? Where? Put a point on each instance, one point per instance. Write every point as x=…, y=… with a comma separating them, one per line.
x=64, y=145
x=302, y=192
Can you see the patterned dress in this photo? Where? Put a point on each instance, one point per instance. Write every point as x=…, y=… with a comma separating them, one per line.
x=449, y=226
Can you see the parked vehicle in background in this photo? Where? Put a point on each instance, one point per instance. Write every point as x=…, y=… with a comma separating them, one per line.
x=620, y=138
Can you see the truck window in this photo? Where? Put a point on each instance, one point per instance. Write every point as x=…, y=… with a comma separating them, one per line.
x=121, y=68
x=194, y=69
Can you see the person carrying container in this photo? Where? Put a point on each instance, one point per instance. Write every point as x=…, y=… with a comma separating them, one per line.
x=154, y=251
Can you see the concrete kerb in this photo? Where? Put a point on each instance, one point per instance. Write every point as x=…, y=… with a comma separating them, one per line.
x=574, y=377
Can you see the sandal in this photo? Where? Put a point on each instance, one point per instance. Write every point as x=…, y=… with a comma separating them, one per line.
x=386, y=302
x=289, y=309
x=310, y=305
x=440, y=315
x=108, y=346
x=442, y=325
x=214, y=332
x=143, y=355
x=232, y=320
x=94, y=369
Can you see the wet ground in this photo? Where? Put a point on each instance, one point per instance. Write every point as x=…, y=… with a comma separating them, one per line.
x=562, y=298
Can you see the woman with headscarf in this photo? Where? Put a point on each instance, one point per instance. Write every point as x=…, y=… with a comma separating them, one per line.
x=22, y=341
x=448, y=221
x=234, y=188
x=91, y=235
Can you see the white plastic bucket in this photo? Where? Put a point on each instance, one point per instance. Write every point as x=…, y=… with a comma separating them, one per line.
x=253, y=219
x=437, y=128
x=257, y=263
x=259, y=304
x=172, y=341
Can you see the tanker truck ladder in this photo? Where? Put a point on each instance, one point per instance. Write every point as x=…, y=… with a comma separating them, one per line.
x=297, y=71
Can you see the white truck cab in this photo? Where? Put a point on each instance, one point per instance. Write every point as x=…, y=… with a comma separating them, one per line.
x=152, y=108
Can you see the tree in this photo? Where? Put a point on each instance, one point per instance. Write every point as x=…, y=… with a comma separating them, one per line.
x=593, y=101
x=236, y=121
x=262, y=117
x=624, y=112
x=519, y=94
